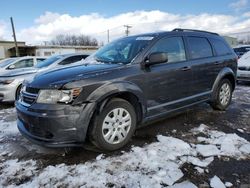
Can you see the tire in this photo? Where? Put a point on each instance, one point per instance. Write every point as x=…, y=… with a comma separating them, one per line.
x=222, y=96
x=18, y=90
x=109, y=131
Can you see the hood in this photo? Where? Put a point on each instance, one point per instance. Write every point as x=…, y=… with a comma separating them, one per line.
x=17, y=72
x=58, y=77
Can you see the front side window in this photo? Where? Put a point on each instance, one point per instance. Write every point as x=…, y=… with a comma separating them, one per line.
x=199, y=47
x=173, y=46
x=23, y=64
x=6, y=62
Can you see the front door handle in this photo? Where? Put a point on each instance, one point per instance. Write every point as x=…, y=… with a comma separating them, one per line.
x=217, y=62
x=186, y=68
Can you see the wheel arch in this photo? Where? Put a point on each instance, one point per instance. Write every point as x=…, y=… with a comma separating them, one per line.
x=124, y=90
x=225, y=73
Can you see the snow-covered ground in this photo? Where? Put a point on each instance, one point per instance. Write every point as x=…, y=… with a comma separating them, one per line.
x=154, y=165
x=157, y=164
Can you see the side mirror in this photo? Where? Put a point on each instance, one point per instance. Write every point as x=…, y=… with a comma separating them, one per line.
x=157, y=58
x=11, y=67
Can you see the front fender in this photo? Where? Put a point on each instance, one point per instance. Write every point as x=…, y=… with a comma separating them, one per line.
x=113, y=88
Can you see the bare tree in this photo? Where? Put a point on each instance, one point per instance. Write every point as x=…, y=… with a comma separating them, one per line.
x=74, y=40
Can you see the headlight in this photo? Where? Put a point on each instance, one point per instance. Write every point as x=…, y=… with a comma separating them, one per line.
x=55, y=96
x=6, y=82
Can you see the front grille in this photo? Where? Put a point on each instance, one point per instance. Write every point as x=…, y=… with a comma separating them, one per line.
x=32, y=90
x=28, y=96
x=244, y=68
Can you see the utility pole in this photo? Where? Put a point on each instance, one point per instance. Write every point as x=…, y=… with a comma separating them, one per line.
x=14, y=36
x=108, y=35
x=127, y=29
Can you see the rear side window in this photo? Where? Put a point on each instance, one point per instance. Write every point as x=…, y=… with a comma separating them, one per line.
x=173, y=46
x=72, y=59
x=220, y=47
x=199, y=47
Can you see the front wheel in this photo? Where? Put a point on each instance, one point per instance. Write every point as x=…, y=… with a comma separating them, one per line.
x=18, y=92
x=223, y=95
x=113, y=127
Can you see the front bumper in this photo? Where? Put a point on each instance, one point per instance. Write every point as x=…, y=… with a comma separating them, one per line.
x=8, y=92
x=243, y=75
x=53, y=125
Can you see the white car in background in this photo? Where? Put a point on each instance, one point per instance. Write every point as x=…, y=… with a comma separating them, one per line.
x=11, y=77
x=12, y=73
x=243, y=72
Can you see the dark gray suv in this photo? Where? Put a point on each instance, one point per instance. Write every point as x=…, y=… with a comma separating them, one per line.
x=125, y=84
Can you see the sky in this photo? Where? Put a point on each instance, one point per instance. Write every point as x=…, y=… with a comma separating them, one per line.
x=41, y=20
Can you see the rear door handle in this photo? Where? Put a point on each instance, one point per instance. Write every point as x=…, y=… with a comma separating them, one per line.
x=186, y=68
x=217, y=62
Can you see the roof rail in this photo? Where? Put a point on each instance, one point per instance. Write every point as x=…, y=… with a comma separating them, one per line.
x=193, y=30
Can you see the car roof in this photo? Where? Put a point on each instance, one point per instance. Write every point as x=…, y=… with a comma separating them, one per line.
x=178, y=31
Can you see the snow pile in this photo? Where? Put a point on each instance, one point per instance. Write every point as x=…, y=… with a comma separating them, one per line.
x=155, y=165
x=215, y=182
x=220, y=143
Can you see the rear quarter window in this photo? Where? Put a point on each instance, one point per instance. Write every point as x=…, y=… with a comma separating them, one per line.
x=199, y=47
x=220, y=47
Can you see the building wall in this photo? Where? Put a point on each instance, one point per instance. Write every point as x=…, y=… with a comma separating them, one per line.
x=5, y=46
x=53, y=51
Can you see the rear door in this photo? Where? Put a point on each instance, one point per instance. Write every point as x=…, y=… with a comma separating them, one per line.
x=204, y=65
x=168, y=83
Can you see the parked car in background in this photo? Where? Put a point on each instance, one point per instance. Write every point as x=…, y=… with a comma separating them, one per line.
x=58, y=61
x=11, y=79
x=241, y=50
x=243, y=73
x=19, y=63
x=126, y=84
x=12, y=73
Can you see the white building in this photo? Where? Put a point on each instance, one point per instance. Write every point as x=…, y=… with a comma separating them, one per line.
x=57, y=50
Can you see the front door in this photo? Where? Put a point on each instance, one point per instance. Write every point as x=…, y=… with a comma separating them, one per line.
x=168, y=83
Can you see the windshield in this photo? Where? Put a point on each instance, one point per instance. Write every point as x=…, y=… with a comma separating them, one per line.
x=6, y=62
x=48, y=61
x=122, y=51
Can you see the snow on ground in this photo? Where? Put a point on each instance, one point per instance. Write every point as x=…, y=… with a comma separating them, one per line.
x=154, y=165
x=8, y=123
x=215, y=182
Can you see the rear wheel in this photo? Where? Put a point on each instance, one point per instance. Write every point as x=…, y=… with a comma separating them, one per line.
x=223, y=95
x=113, y=127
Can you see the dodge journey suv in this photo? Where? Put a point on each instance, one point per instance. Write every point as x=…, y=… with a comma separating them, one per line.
x=126, y=84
